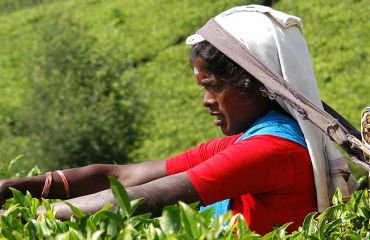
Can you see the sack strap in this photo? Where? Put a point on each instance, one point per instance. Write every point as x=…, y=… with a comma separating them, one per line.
x=277, y=86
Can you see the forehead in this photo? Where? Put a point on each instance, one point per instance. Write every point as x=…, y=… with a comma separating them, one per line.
x=199, y=69
x=199, y=65
x=203, y=76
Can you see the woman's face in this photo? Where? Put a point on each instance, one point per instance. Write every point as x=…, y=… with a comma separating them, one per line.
x=234, y=112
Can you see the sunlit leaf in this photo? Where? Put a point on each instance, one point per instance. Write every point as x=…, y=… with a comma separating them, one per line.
x=8, y=234
x=72, y=234
x=120, y=196
x=76, y=211
x=309, y=223
x=115, y=217
x=97, y=235
x=18, y=197
x=42, y=227
x=12, y=162
x=112, y=228
x=337, y=198
x=188, y=221
x=170, y=220
x=206, y=215
x=135, y=204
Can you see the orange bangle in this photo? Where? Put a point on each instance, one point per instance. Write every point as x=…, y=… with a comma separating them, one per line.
x=47, y=184
x=65, y=183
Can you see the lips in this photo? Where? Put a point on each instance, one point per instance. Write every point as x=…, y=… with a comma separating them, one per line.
x=219, y=119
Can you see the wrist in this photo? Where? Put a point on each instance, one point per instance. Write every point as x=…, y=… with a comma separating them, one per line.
x=33, y=185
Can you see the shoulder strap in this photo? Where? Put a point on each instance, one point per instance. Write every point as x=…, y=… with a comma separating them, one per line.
x=345, y=137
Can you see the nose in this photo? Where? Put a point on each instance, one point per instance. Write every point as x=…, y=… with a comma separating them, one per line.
x=208, y=99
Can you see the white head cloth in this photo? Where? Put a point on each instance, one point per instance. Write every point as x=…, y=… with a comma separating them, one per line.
x=276, y=39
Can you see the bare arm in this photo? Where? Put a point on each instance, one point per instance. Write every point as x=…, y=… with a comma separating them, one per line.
x=86, y=180
x=164, y=191
x=157, y=194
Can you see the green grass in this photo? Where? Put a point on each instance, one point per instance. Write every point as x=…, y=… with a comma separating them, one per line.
x=337, y=35
x=150, y=38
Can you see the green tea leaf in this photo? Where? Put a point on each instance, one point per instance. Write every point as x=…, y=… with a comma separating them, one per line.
x=353, y=236
x=31, y=228
x=34, y=206
x=243, y=230
x=337, y=198
x=206, y=215
x=97, y=235
x=115, y=217
x=42, y=227
x=120, y=196
x=72, y=234
x=281, y=231
x=364, y=212
x=170, y=220
x=155, y=233
x=112, y=227
x=309, y=224
x=135, y=204
x=18, y=197
x=8, y=234
x=76, y=211
x=12, y=162
x=189, y=221
x=129, y=233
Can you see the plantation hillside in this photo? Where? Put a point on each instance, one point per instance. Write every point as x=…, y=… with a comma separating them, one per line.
x=109, y=81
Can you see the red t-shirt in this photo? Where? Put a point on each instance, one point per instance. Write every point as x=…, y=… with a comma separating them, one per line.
x=269, y=179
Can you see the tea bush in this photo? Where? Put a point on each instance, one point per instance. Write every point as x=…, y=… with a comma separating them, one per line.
x=8, y=6
x=337, y=37
x=79, y=96
x=140, y=45
x=341, y=221
x=80, y=109
x=96, y=81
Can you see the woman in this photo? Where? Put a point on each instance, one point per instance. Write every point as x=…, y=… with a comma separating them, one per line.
x=261, y=168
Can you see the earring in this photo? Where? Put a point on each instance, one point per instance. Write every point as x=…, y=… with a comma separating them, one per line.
x=263, y=91
x=267, y=93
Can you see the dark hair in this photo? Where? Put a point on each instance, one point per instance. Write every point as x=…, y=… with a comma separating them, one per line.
x=224, y=68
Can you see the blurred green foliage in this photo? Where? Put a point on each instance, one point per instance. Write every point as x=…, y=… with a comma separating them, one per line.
x=8, y=6
x=337, y=35
x=80, y=110
x=79, y=86
x=99, y=81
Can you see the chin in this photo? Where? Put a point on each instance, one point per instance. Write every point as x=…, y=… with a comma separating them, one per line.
x=230, y=132
x=224, y=131
x=227, y=132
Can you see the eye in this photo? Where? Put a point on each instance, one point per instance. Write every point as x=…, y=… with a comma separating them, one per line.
x=212, y=84
x=217, y=87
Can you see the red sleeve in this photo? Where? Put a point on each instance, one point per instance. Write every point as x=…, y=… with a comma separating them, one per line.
x=198, y=154
x=259, y=164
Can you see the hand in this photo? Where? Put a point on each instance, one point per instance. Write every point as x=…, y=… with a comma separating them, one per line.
x=5, y=192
